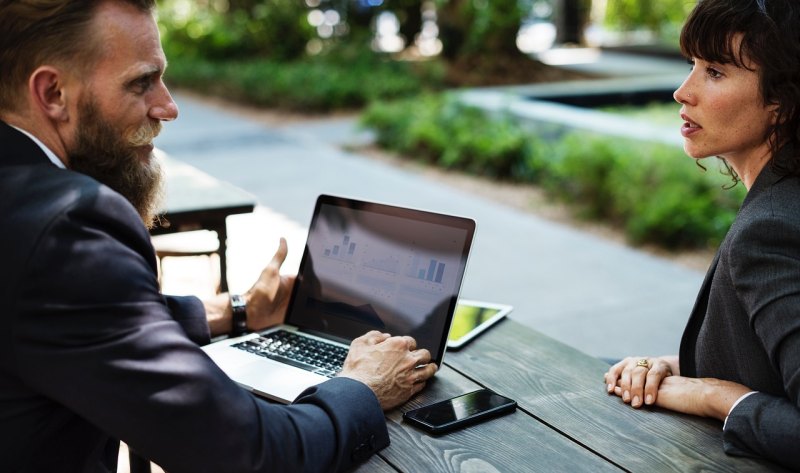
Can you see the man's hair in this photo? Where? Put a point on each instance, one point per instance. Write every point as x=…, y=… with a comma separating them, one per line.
x=770, y=32
x=38, y=32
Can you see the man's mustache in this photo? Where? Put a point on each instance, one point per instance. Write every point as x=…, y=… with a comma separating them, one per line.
x=145, y=134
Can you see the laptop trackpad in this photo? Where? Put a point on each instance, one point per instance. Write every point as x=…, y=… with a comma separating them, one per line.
x=268, y=378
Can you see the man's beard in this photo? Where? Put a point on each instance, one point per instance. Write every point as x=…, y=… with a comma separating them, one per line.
x=105, y=154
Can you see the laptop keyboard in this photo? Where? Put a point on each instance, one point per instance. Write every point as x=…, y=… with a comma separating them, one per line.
x=296, y=350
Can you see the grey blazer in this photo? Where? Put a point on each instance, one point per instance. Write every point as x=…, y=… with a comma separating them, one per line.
x=745, y=326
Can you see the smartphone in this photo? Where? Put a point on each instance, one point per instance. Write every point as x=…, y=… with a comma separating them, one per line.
x=460, y=411
x=471, y=318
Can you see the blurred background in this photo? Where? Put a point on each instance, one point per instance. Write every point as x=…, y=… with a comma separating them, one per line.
x=334, y=45
x=551, y=122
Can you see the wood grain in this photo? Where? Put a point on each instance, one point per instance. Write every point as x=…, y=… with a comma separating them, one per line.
x=512, y=443
x=375, y=464
x=564, y=389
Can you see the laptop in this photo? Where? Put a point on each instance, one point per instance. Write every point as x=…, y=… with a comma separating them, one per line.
x=366, y=266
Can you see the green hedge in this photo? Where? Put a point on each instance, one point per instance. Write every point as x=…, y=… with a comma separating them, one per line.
x=654, y=191
x=343, y=79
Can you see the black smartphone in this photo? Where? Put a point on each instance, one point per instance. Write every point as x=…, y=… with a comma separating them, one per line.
x=460, y=411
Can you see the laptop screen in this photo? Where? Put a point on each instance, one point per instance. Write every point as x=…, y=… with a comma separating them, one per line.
x=369, y=266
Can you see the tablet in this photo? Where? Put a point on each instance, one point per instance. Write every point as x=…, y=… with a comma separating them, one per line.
x=472, y=318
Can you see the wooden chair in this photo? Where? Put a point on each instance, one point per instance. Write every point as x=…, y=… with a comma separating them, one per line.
x=200, y=243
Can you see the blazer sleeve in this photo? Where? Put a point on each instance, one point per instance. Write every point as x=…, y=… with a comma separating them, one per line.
x=765, y=426
x=190, y=313
x=765, y=270
x=94, y=334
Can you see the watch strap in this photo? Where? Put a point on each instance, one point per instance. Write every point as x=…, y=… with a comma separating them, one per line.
x=239, y=315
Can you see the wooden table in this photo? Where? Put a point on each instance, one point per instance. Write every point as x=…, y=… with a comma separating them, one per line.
x=198, y=201
x=565, y=421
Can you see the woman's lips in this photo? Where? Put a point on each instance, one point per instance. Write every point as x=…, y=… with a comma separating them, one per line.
x=689, y=127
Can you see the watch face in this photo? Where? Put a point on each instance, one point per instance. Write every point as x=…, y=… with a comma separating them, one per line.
x=237, y=302
x=239, y=312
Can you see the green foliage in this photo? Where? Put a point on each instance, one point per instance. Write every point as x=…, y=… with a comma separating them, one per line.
x=340, y=79
x=654, y=191
x=224, y=29
x=663, y=17
x=480, y=27
x=575, y=178
x=656, y=113
x=441, y=130
x=494, y=26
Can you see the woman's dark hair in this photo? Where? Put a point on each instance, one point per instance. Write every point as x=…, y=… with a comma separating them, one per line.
x=770, y=32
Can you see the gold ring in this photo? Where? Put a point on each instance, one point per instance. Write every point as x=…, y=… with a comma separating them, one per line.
x=643, y=362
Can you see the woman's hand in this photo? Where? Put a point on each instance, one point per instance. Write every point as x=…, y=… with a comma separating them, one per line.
x=637, y=379
x=268, y=298
x=707, y=397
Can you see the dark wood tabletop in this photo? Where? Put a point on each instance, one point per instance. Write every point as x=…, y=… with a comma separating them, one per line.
x=565, y=420
x=198, y=201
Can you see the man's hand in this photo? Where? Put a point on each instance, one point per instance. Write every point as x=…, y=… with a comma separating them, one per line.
x=391, y=366
x=268, y=298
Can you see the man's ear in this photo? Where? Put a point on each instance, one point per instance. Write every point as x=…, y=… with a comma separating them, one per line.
x=48, y=92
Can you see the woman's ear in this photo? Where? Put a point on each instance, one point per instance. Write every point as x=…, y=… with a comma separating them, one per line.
x=48, y=92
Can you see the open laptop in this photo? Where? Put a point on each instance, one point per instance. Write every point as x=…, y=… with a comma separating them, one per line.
x=366, y=266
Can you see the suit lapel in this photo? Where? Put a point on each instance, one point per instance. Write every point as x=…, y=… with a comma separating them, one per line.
x=689, y=340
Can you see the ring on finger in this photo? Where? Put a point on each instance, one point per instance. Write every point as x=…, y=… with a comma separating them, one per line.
x=643, y=363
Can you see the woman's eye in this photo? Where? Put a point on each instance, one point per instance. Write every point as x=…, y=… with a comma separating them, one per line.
x=713, y=73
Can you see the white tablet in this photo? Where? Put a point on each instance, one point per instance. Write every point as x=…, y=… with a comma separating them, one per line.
x=472, y=318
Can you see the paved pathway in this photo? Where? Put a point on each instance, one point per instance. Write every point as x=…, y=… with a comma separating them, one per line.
x=601, y=297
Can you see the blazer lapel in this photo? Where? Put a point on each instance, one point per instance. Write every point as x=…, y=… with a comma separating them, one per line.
x=686, y=356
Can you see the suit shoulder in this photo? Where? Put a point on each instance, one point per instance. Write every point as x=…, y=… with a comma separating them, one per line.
x=42, y=191
x=39, y=196
x=776, y=203
x=784, y=198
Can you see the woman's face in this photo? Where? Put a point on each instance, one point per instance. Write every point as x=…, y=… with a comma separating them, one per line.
x=724, y=114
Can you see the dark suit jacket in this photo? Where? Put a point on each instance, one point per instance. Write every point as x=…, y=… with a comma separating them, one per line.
x=745, y=326
x=91, y=351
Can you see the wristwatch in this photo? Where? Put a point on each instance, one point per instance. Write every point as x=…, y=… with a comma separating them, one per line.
x=239, y=311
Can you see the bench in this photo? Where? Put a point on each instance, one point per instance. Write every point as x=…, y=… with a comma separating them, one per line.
x=198, y=201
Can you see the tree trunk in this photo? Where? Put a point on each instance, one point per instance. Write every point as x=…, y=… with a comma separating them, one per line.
x=570, y=19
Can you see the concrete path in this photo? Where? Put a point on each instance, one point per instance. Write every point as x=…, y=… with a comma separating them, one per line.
x=601, y=297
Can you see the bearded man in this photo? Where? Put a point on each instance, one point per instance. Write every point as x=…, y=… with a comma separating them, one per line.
x=90, y=351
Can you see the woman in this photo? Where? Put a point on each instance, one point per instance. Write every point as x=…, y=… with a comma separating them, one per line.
x=739, y=358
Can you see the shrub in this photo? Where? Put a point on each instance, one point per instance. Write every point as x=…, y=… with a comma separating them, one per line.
x=441, y=130
x=580, y=172
x=308, y=85
x=661, y=196
x=654, y=191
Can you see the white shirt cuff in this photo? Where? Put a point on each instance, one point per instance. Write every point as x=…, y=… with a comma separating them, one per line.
x=734, y=407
